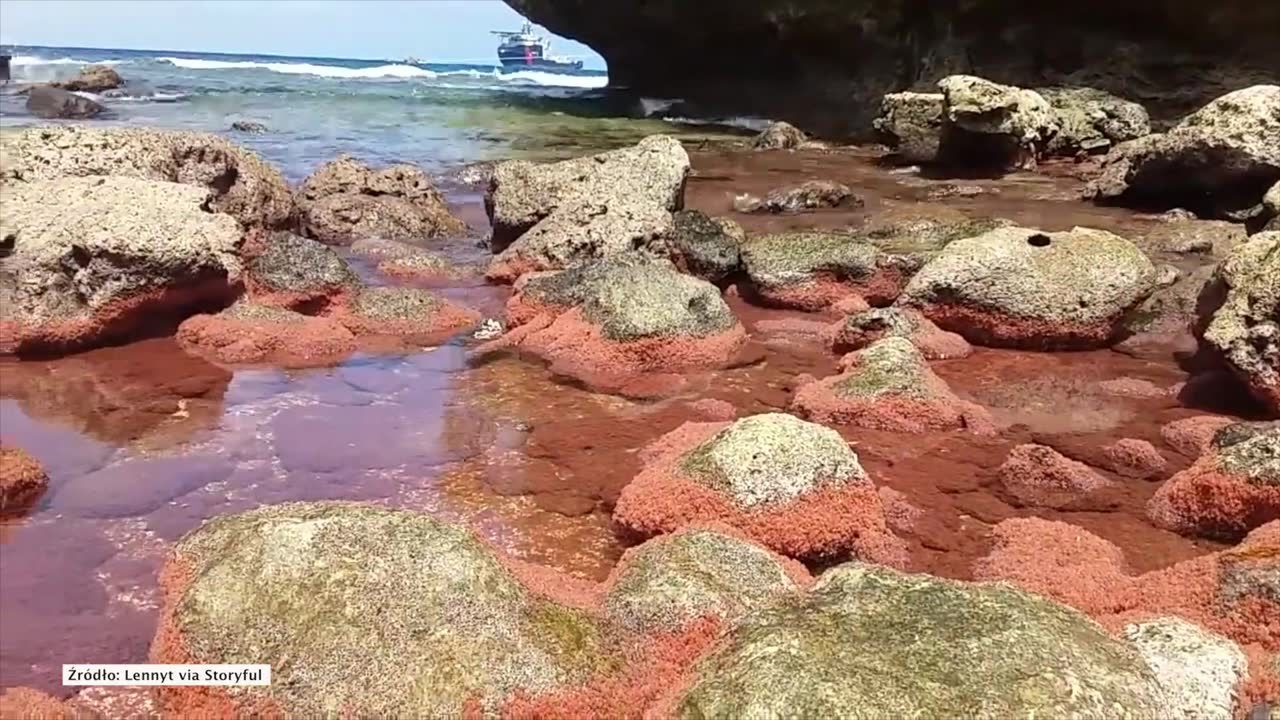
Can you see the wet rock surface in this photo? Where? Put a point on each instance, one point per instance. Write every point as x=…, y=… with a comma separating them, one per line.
x=55, y=104
x=345, y=200
x=22, y=480
x=94, y=79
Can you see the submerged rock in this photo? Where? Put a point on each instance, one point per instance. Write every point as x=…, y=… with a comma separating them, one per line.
x=911, y=124
x=249, y=333
x=94, y=79
x=303, y=587
x=1245, y=329
x=791, y=485
x=420, y=265
x=1091, y=120
x=989, y=124
x=412, y=313
x=811, y=271
x=239, y=182
x=252, y=127
x=625, y=325
x=968, y=650
x=710, y=248
x=861, y=329
x=345, y=200
x=779, y=136
x=294, y=272
x=22, y=480
x=705, y=571
x=95, y=259
x=1219, y=160
x=1232, y=489
x=809, y=195
x=554, y=216
x=51, y=103
x=889, y=386
x=1039, y=476
x=1027, y=288
x=1199, y=671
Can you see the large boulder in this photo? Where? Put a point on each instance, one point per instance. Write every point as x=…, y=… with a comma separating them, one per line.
x=889, y=386
x=794, y=486
x=811, y=271
x=871, y=642
x=239, y=182
x=293, y=272
x=52, y=103
x=1245, y=329
x=911, y=124
x=304, y=587
x=1091, y=120
x=779, y=136
x=666, y=583
x=345, y=200
x=553, y=216
x=1027, y=288
x=94, y=79
x=1218, y=161
x=989, y=124
x=89, y=260
x=1232, y=489
x=628, y=325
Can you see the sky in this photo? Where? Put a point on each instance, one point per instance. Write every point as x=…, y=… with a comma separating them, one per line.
x=432, y=30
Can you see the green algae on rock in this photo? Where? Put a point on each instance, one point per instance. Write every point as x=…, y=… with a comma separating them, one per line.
x=1245, y=329
x=1022, y=287
x=671, y=581
x=364, y=611
x=869, y=642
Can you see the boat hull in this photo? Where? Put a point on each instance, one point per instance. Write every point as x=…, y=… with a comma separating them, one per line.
x=523, y=63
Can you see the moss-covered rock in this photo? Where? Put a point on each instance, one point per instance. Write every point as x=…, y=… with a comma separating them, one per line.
x=1092, y=120
x=911, y=124
x=1027, y=288
x=812, y=270
x=707, y=247
x=861, y=329
x=671, y=581
x=873, y=643
x=298, y=271
x=366, y=612
x=1245, y=329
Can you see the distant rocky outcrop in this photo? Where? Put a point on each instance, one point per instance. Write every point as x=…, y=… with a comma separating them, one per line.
x=94, y=79
x=252, y=127
x=54, y=104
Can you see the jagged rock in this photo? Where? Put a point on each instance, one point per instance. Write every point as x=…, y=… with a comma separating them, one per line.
x=1245, y=329
x=1027, y=288
x=1218, y=161
x=779, y=136
x=1232, y=489
x=95, y=259
x=253, y=127
x=54, y=104
x=710, y=248
x=553, y=216
x=989, y=124
x=1091, y=120
x=911, y=124
x=1199, y=671
x=671, y=581
x=794, y=486
x=240, y=183
x=304, y=586
x=973, y=650
x=22, y=480
x=346, y=200
x=889, y=386
x=94, y=79
x=294, y=272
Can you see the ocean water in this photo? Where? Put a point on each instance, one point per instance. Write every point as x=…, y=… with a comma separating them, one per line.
x=436, y=115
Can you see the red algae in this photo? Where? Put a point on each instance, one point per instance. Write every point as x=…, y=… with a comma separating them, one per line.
x=1207, y=499
x=1192, y=436
x=295, y=342
x=824, y=523
x=826, y=290
x=22, y=480
x=1040, y=476
x=22, y=703
x=992, y=329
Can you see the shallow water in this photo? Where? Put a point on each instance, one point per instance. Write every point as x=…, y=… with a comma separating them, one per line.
x=143, y=442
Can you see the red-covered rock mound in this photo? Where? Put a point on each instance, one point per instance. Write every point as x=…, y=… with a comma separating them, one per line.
x=864, y=328
x=249, y=333
x=22, y=480
x=1040, y=476
x=794, y=486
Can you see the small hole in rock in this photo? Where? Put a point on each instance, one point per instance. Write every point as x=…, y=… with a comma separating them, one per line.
x=1038, y=240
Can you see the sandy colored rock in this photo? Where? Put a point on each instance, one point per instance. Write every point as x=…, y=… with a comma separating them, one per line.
x=345, y=200
x=911, y=124
x=779, y=136
x=412, y=313
x=22, y=480
x=1039, y=476
x=94, y=79
x=1027, y=288
x=96, y=259
x=1245, y=330
x=1134, y=458
x=554, y=216
x=1198, y=670
x=292, y=271
x=989, y=124
x=304, y=586
x=973, y=650
x=241, y=184
x=810, y=271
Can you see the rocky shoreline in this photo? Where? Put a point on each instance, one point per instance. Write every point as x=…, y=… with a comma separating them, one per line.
x=775, y=567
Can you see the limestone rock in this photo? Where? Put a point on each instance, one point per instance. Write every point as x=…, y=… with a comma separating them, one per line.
x=811, y=271
x=809, y=195
x=1026, y=288
x=250, y=333
x=994, y=125
x=412, y=313
x=911, y=124
x=94, y=259
x=1245, y=330
x=972, y=650
x=1219, y=160
x=779, y=136
x=707, y=247
x=1198, y=670
x=94, y=79
x=292, y=271
x=241, y=184
x=1091, y=120
x=345, y=200
x=52, y=103
x=861, y=329
x=553, y=216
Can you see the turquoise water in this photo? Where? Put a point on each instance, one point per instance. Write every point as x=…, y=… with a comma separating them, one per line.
x=436, y=115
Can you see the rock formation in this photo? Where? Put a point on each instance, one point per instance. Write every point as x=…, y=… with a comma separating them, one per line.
x=345, y=200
